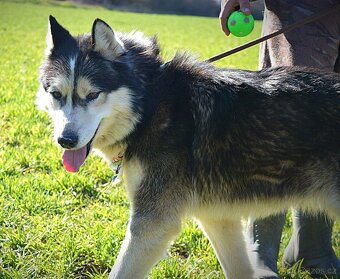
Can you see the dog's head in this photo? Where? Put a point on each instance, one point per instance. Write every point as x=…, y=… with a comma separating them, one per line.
x=83, y=88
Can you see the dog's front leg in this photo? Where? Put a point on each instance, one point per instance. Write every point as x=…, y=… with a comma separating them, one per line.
x=227, y=239
x=146, y=240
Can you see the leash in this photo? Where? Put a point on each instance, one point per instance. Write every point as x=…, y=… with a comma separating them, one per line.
x=286, y=29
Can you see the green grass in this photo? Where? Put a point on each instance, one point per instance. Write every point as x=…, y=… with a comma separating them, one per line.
x=59, y=225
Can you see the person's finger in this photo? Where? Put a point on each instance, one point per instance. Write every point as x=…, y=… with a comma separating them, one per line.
x=226, y=10
x=245, y=7
x=223, y=23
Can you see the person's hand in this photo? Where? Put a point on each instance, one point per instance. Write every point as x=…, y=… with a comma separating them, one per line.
x=227, y=7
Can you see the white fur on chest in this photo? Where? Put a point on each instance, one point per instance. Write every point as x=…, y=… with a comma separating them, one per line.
x=133, y=176
x=110, y=151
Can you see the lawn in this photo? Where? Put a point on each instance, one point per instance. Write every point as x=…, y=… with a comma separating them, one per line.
x=54, y=224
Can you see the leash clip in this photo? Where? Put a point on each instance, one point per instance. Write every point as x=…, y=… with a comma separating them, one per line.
x=116, y=166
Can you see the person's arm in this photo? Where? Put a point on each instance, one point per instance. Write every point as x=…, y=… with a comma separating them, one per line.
x=227, y=7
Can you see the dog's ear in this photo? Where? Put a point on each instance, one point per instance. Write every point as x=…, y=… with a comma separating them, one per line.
x=105, y=41
x=56, y=34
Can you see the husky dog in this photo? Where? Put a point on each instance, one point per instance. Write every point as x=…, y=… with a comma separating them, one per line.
x=212, y=144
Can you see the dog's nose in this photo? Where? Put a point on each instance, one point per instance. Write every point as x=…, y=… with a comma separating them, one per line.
x=68, y=141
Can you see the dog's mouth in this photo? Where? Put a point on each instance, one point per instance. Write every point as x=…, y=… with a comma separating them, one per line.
x=74, y=159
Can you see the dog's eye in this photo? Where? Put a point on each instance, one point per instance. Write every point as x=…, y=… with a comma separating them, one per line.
x=56, y=95
x=93, y=95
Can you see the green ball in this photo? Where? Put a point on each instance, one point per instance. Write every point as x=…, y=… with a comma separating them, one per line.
x=239, y=24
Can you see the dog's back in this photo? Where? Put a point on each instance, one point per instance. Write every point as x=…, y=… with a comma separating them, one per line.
x=282, y=136
x=268, y=135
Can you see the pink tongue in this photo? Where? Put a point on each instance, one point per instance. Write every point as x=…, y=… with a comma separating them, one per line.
x=73, y=159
